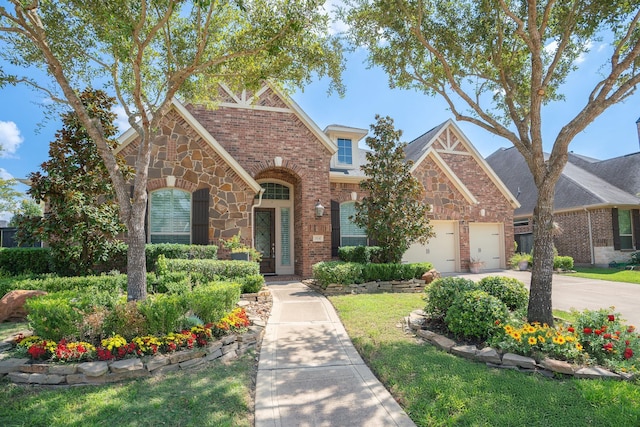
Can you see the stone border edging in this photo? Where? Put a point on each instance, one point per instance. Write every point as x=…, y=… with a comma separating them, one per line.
x=393, y=286
x=22, y=371
x=414, y=324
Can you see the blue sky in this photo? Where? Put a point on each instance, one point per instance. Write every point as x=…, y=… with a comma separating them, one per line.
x=613, y=134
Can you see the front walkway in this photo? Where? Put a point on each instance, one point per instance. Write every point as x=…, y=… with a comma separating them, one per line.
x=309, y=372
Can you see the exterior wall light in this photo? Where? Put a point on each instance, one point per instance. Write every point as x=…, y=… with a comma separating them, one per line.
x=319, y=209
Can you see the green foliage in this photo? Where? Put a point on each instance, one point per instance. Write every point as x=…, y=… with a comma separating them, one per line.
x=344, y=273
x=211, y=302
x=174, y=282
x=178, y=251
x=440, y=294
x=53, y=316
x=361, y=254
x=213, y=269
x=386, y=272
x=125, y=320
x=510, y=291
x=163, y=313
x=635, y=258
x=563, y=263
x=251, y=284
x=519, y=256
x=393, y=213
x=476, y=314
x=26, y=209
x=8, y=195
x=109, y=283
x=16, y=261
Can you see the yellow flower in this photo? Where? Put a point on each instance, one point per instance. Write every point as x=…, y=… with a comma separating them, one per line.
x=516, y=336
x=532, y=341
x=579, y=346
x=570, y=338
x=529, y=329
x=559, y=339
x=541, y=339
x=508, y=329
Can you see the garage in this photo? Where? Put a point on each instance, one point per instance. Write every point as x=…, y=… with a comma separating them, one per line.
x=441, y=250
x=486, y=243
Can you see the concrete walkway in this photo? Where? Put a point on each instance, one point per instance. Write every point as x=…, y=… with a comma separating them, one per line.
x=309, y=372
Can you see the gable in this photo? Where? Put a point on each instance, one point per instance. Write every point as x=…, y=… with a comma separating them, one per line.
x=451, y=146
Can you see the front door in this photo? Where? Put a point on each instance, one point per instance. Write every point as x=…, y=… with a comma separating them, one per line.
x=265, y=238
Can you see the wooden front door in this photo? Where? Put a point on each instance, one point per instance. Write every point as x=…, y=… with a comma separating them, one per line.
x=265, y=238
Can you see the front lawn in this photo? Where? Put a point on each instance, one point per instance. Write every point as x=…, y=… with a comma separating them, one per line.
x=436, y=388
x=612, y=274
x=215, y=395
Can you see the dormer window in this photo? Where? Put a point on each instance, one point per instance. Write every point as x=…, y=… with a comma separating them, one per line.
x=345, y=151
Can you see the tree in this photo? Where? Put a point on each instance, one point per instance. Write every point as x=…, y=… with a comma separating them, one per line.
x=497, y=63
x=393, y=213
x=149, y=51
x=27, y=208
x=8, y=195
x=82, y=222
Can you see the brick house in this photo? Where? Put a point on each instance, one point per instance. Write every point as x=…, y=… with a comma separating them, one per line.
x=596, y=205
x=259, y=166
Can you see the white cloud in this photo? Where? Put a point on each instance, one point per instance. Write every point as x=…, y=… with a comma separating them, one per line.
x=10, y=138
x=336, y=26
x=583, y=56
x=4, y=174
x=551, y=48
x=122, y=120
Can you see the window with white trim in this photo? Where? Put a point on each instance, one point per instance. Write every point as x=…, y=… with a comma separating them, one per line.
x=170, y=216
x=345, y=151
x=626, y=229
x=350, y=233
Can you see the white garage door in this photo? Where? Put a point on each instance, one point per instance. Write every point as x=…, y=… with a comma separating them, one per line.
x=486, y=244
x=441, y=250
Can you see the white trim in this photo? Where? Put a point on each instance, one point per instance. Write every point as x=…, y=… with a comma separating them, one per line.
x=341, y=177
x=439, y=161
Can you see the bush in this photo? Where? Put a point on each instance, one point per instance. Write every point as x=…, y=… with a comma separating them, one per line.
x=125, y=320
x=174, y=282
x=635, y=258
x=163, y=313
x=386, y=272
x=441, y=292
x=211, y=302
x=252, y=284
x=510, y=291
x=213, y=269
x=345, y=273
x=476, y=314
x=177, y=251
x=517, y=257
x=562, y=263
x=16, y=261
x=113, y=283
x=53, y=316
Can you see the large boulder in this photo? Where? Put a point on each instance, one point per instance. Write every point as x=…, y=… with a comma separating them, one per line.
x=430, y=276
x=12, y=305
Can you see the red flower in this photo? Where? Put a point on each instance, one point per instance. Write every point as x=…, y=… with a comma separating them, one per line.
x=608, y=347
x=631, y=328
x=571, y=329
x=603, y=328
x=607, y=336
x=597, y=332
x=611, y=317
x=587, y=331
x=627, y=342
x=628, y=353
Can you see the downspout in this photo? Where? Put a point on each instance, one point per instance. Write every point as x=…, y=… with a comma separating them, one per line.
x=253, y=217
x=591, y=249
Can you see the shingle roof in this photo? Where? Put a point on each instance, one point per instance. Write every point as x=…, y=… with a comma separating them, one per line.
x=413, y=151
x=623, y=172
x=577, y=187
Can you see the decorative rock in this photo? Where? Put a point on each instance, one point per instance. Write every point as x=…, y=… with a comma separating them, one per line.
x=229, y=356
x=191, y=363
x=488, y=355
x=228, y=339
x=36, y=368
x=229, y=348
x=165, y=369
x=127, y=375
x=5, y=345
x=11, y=365
x=511, y=359
x=559, y=366
x=442, y=342
x=63, y=369
x=126, y=365
x=213, y=347
x=46, y=379
x=595, y=372
x=212, y=356
x=500, y=366
x=180, y=356
x=419, y=312
x=426, y=334
x=76, y=379
x=19, y=377
x=156, y=362
x=466, y=351
x=12, y=304
x=430, y=276
x=93, y=369
x=243, y=303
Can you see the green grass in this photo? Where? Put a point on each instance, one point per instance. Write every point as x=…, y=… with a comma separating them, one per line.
x=611, y=274
x=216, y=395
x=438, y=389
x=7, y=330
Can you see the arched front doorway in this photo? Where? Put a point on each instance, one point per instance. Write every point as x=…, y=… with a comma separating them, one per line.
x=273, y=229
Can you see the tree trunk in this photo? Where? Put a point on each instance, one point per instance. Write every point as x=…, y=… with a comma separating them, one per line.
x=539, y=309
x=136, y=258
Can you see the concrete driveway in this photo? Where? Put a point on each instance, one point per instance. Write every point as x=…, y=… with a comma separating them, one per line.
x=575, y=292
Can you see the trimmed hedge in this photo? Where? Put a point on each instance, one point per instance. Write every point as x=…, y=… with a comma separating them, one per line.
x=347, y=273
x=16, y=261
x=359, y=254
x=112, y=283
x=441, y=293
x=54, y=316
x=386, y=272
x=214, y=269
x=509, y=290
x=344, y=273
x=476, y=314
x=563, y=263
x=213, y=301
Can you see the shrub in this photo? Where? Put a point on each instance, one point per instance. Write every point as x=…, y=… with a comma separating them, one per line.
x=519, y=256
x=635, y=258
x=16, y=261
x=53, y=316
x=174, y=282
x=178, y=251
x=386, y=272
x=125, y=320
x=441, y=292
x=114, y=283
x=563, y=263
x=476, y=314
x=252, y=284
x=510, y=291
x=212, y=301
x=354, y=254
x=213, y=269
x=345, y=273
x=163, y=313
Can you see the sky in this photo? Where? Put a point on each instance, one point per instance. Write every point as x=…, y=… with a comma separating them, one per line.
x=25, y=132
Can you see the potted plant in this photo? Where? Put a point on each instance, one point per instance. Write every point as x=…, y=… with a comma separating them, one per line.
x=475, y=265
x=520, y=261
x=240, y=251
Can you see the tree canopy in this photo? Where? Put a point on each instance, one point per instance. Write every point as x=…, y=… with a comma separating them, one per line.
x=497, y=64
x=149, y=51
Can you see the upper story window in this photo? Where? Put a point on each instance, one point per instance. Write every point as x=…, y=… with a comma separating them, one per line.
x=170, y=216
x=625, y=233
x=274, y=191
x=345, y=151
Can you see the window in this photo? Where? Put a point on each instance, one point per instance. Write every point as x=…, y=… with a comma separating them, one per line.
x=350, y=233
x=273, y=191
x=170, y=216
x=345, y=155
x=625, y=232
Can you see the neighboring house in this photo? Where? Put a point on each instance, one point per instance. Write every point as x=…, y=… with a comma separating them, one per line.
x=259, y=166
x=596, y=207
